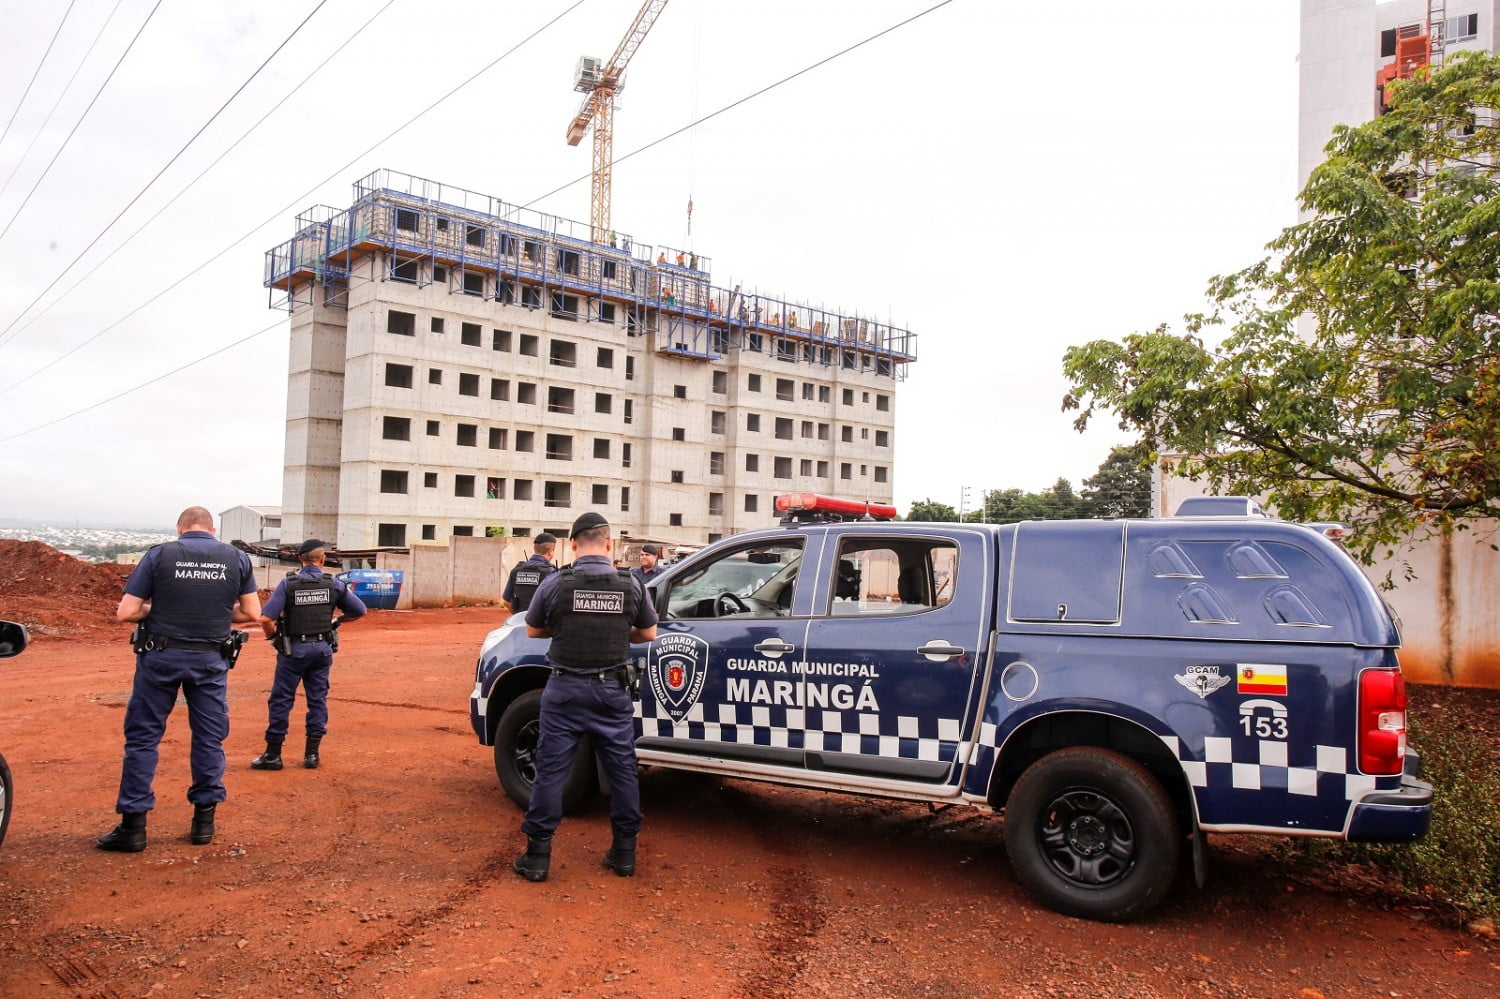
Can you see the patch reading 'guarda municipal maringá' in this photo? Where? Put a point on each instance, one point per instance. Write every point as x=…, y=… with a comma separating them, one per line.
x=598, y=602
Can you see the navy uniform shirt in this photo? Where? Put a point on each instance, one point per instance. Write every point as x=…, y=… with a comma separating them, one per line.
x=344, y=598
x=640, y=572
x=143, y=577
x=587, y=565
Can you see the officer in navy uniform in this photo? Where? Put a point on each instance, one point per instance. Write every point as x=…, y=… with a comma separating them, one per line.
x=592, y=612
x=299, y=619
x=649, y=568
x=188, y=593
x=521, y=586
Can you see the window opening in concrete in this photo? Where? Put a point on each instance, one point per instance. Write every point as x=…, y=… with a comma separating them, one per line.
x=500, y=389
x=599, y=495
x=442, y=224
x=473, y=284
x=434, y=376
x=603, y=402
x=679, y=433
x=608, y=270
x=721, y=382
x=716, y=504
x=392, y=481
x=407, y=220
x=807, y=391
x=677, y=476
x=470, y=334
x=401, y=323
x=783, y=428
x=716, y=463
x=526, y=440
x=500, y=340
x=437, y=324
x=474, y=235
x=601, y=447
x=531, y=296
x=432, y=428
x=606, y=312
x=405, y=271
x=499, y=437
x=824, y=393
x=505, y=291
x=521, y=490
x=881, y=473
x=560, y=400
x=557, y=494
x=674, y=520
x=629, y=411
x=848, y=397
x=563, y=353
x=396, y=428
x=605, y=358
x=494, y=487
x=468, y=435
x=624, y=499
x=753, y=383
x=468, y=384
x=716, y=421
x=567, y=261
x=822, y=469
x=679, y=391
x=526, y=393
x=463, y=531
x=752, y=503
x=429, y=532
x=752, y=462
x=530, y=345
x=390, y=535
x=629, y=368
x=846, y=471
x=625, y=455
x=559, y=447
x=463, y=485
x=782, y=468
x=565, y=306
x=822, y=431
x=398, y=375
x=804, y=467
x=429, y=480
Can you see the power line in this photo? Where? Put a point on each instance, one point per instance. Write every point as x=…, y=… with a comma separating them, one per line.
x=81, y=117
x=57, y=103
x=165, y=167
x=37, y=72
x=145, y=384
x=119, y=395
x=747, y=98
x=141, y=228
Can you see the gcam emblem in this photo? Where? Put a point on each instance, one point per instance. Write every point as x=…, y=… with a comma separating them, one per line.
x=676, y=669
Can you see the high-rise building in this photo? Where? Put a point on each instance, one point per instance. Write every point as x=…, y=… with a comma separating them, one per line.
x=1350, y=49
x=461, y=366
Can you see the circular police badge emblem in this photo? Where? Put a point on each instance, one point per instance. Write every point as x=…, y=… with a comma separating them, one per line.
x=676, y=669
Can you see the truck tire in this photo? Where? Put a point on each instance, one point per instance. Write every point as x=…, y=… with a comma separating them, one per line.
x=1091, y=833
x=7, y=797
x=515, y=754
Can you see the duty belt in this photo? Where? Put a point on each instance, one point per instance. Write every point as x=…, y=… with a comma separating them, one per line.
x=606, y=674
x=321, y=636
x=163, y=642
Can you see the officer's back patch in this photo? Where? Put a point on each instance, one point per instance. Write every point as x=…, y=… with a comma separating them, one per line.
x=319, y=596
x=598, y=602
x=528, y=577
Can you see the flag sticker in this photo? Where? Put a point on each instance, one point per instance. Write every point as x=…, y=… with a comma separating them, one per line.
x=1261, y=678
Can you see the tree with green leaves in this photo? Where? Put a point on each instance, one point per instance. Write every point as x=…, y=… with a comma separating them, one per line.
x=1122, y=486
x=1386, y=413
x=932, y=512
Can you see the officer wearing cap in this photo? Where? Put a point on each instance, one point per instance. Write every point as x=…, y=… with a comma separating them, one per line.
x=592, y=612
x=185, y=594
x=524, y=579
x=648, y=569
x=299, y=619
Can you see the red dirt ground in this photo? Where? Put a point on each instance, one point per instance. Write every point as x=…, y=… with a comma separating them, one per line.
x=387, y=872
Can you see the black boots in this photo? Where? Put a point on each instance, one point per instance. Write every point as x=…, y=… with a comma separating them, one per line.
x=203, y=825
x=620, y=857
x=270, y=759
x=533, y=864
x=310, y=757
x=127, y=837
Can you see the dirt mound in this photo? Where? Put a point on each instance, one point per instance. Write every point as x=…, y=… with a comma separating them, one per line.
x=55, y=595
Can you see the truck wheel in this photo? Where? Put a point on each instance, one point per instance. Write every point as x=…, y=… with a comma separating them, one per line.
x=7, y=797
x=515, y=754
x=1092, y=834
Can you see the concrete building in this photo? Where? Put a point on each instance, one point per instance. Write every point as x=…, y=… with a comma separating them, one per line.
x=463, y=367
x=1349, y=48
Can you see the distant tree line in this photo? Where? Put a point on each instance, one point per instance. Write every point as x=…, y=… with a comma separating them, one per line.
x=1120, y=488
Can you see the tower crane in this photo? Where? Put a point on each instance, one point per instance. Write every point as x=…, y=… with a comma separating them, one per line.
x=601, y=83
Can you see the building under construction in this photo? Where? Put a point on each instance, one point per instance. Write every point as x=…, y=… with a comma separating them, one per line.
x=461, y=366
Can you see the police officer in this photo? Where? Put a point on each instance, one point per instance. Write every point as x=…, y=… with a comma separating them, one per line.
x=299, y=619
x=187, y=592
x=592, y=612
x=648, y=569
x=520, y=588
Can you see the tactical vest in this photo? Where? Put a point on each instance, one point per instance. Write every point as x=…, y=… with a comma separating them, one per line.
x=525, y=578
x=194, y=590
x=590, y=620
x=309, y=605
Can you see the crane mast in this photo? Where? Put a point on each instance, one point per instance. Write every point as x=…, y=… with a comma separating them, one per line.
x=601, y=83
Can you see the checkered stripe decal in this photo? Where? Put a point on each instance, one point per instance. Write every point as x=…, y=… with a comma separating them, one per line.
x=1268, y=768
x=894, y=736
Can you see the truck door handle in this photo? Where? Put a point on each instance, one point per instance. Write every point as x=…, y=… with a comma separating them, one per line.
x=775, y=647
x=939, y=650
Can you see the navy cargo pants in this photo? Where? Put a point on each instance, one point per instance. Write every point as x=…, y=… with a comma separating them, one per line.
x=308, y=665
x=571, y=707
x=203, y=679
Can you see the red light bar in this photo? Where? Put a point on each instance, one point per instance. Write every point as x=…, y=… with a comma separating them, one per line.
x=814, y=503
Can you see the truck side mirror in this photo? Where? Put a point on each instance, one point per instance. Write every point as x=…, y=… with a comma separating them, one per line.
x=12, y=639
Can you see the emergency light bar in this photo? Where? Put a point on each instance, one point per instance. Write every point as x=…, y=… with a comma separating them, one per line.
x=812, y=506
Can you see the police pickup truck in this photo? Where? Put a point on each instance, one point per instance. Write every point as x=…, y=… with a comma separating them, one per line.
x=1118, y=688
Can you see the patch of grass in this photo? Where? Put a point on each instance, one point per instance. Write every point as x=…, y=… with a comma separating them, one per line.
x=1458, y=862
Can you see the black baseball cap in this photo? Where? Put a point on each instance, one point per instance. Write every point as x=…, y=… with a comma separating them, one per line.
x=587, y=522
x=651, y=550
x=309, y=546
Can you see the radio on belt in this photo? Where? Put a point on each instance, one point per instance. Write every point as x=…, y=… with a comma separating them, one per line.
x=1117, y=688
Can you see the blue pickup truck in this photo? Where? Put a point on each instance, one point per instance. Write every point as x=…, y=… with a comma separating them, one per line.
x=1117, y=688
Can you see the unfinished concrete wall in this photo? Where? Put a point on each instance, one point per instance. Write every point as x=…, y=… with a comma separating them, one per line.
x=476, y=570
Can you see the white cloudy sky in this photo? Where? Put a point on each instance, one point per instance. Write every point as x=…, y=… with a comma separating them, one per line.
x=1005, y=179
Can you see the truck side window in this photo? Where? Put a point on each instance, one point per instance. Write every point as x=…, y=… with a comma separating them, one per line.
x=892, y=576
x=748, y=583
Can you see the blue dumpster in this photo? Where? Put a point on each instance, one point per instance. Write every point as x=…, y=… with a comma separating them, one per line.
x=379, y=589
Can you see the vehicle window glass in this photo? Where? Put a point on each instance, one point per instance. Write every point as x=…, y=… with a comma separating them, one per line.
x=892, y=576
x=756, y=582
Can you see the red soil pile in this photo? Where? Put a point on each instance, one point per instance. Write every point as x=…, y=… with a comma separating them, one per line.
x=57, y=596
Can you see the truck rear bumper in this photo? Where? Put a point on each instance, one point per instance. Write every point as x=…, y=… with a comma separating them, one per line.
x=1398, y=816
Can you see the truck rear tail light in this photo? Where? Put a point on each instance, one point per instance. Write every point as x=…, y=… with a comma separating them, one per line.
x=1382, y=722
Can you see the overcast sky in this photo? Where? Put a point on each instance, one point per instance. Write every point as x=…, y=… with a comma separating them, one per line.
x=1004, y=179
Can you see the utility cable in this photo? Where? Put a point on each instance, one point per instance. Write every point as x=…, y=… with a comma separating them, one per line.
x=744, y=100
x=165, y=167
x=496, y=61
x=57, y=103
x=141, y=228
x=145, y=384
x=36, y=72
x=81, y=117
